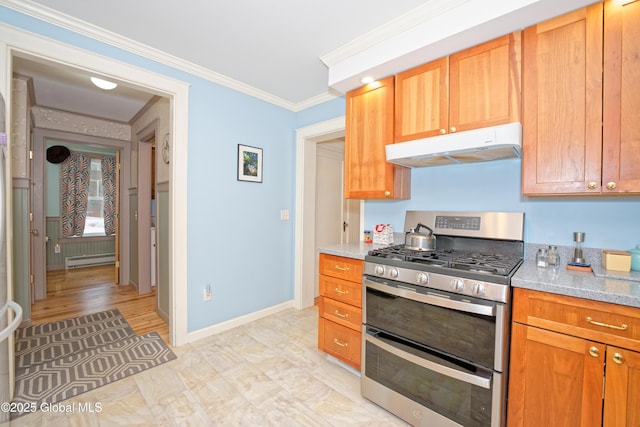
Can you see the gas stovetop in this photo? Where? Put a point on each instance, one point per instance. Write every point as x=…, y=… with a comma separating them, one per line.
x=488, y=263
x=476, y=255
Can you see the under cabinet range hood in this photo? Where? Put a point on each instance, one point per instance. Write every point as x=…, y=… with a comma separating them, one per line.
x=478, y=145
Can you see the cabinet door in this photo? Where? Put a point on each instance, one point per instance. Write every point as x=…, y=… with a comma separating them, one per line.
x=555, y=379
x=369, y=128
x=485, y=84
x=621, y=127
x=422, y=101
x=562, y=104
x=622, y=388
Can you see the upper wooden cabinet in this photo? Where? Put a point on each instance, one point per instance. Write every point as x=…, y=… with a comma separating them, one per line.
x=422, y=101
x=565, y=114
x=369, y=128
x=471, y=89
x=621, y=127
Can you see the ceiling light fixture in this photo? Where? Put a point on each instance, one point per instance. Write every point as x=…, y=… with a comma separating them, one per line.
x=367, y=79
x=103, y=84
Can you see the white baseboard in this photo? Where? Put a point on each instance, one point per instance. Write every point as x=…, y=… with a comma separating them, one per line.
x=238, y=321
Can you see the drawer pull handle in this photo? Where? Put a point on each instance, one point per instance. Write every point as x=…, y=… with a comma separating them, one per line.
x=622, y=327
x=618, y=358
x=337, y=313
x=340, y=343
x=594, y=351
x=341, y=291
x=337, y=267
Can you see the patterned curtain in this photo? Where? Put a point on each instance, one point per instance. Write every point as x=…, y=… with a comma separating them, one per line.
x=109, y=189
x=74, y=177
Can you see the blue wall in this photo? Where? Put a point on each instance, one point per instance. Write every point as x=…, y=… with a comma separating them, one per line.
x=612, y=223
x=236, y=241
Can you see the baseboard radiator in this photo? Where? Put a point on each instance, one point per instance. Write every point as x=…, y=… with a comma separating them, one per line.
x=88, y=260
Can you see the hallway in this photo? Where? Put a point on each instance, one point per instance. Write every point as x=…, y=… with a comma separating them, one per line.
x=72, y=293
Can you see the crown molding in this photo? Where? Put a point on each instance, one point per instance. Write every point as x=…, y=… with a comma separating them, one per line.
x=75, y=25
x=419, y=15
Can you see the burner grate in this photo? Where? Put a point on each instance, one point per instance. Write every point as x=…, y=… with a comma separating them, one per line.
x=489, y=263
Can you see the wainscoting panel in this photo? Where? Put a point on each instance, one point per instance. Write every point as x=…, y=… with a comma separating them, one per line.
x=83, y=245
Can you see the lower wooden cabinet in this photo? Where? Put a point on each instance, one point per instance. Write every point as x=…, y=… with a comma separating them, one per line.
x=622, y=388
x=340, y=308
x=554, y=379
x=574, y=362
x=339, y=341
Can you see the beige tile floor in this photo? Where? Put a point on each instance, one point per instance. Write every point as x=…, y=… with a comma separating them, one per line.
x=267, y=373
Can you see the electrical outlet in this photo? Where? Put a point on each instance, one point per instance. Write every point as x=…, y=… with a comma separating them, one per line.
x=207, y=293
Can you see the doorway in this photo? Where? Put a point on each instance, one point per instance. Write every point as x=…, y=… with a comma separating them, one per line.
x=17, y=43
x=308, y=140
x=49, y=248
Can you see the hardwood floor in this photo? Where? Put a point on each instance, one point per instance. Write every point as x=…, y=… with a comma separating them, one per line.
x=88, y=290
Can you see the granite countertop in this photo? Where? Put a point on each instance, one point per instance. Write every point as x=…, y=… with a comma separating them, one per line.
x=349, y=250
x=600, y=285
x=616, y=287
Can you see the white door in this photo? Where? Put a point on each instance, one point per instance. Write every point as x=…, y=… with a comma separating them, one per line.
x=329, y=217
x=337, y=219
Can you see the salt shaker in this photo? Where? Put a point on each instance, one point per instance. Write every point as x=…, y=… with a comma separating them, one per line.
x=541, y=258
x=553, y=256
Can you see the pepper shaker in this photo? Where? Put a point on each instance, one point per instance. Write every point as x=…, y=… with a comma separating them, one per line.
x=578, y=239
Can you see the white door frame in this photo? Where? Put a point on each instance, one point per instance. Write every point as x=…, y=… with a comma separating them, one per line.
x=304, y=247
x=14, y=42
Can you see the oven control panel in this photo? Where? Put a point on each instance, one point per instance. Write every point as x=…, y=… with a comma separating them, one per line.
x=444, y=282
x=458, y=222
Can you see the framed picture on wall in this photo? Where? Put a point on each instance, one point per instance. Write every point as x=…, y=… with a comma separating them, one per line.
x=249, y=163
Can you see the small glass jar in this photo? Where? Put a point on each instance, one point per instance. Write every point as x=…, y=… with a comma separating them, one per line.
x=541, y=258
x=553, y=256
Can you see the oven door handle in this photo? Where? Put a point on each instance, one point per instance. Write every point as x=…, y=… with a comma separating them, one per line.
x=486, y=310
x=432, y=366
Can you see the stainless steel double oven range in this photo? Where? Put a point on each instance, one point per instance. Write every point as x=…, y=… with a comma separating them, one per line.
x=436, y=323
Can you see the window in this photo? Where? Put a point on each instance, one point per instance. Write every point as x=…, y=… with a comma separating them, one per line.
x=94, y=224
x=88, y=195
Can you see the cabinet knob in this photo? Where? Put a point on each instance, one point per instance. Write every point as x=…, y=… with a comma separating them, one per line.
x=618, y=358
x=453, y=129
x=594, y=351
x=443, y=131
x=592, y=185
x=387, y=193
x=611, y=185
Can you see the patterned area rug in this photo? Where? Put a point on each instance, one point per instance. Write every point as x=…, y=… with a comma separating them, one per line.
x=63, y=359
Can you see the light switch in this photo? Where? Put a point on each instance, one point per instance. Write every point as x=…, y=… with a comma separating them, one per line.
x=284, y=215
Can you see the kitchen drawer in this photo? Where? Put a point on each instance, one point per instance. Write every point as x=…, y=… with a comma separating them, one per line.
x=341, y=290
x=593, y=320
x=339, y=312
x=339, y=341
x=341, y=267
